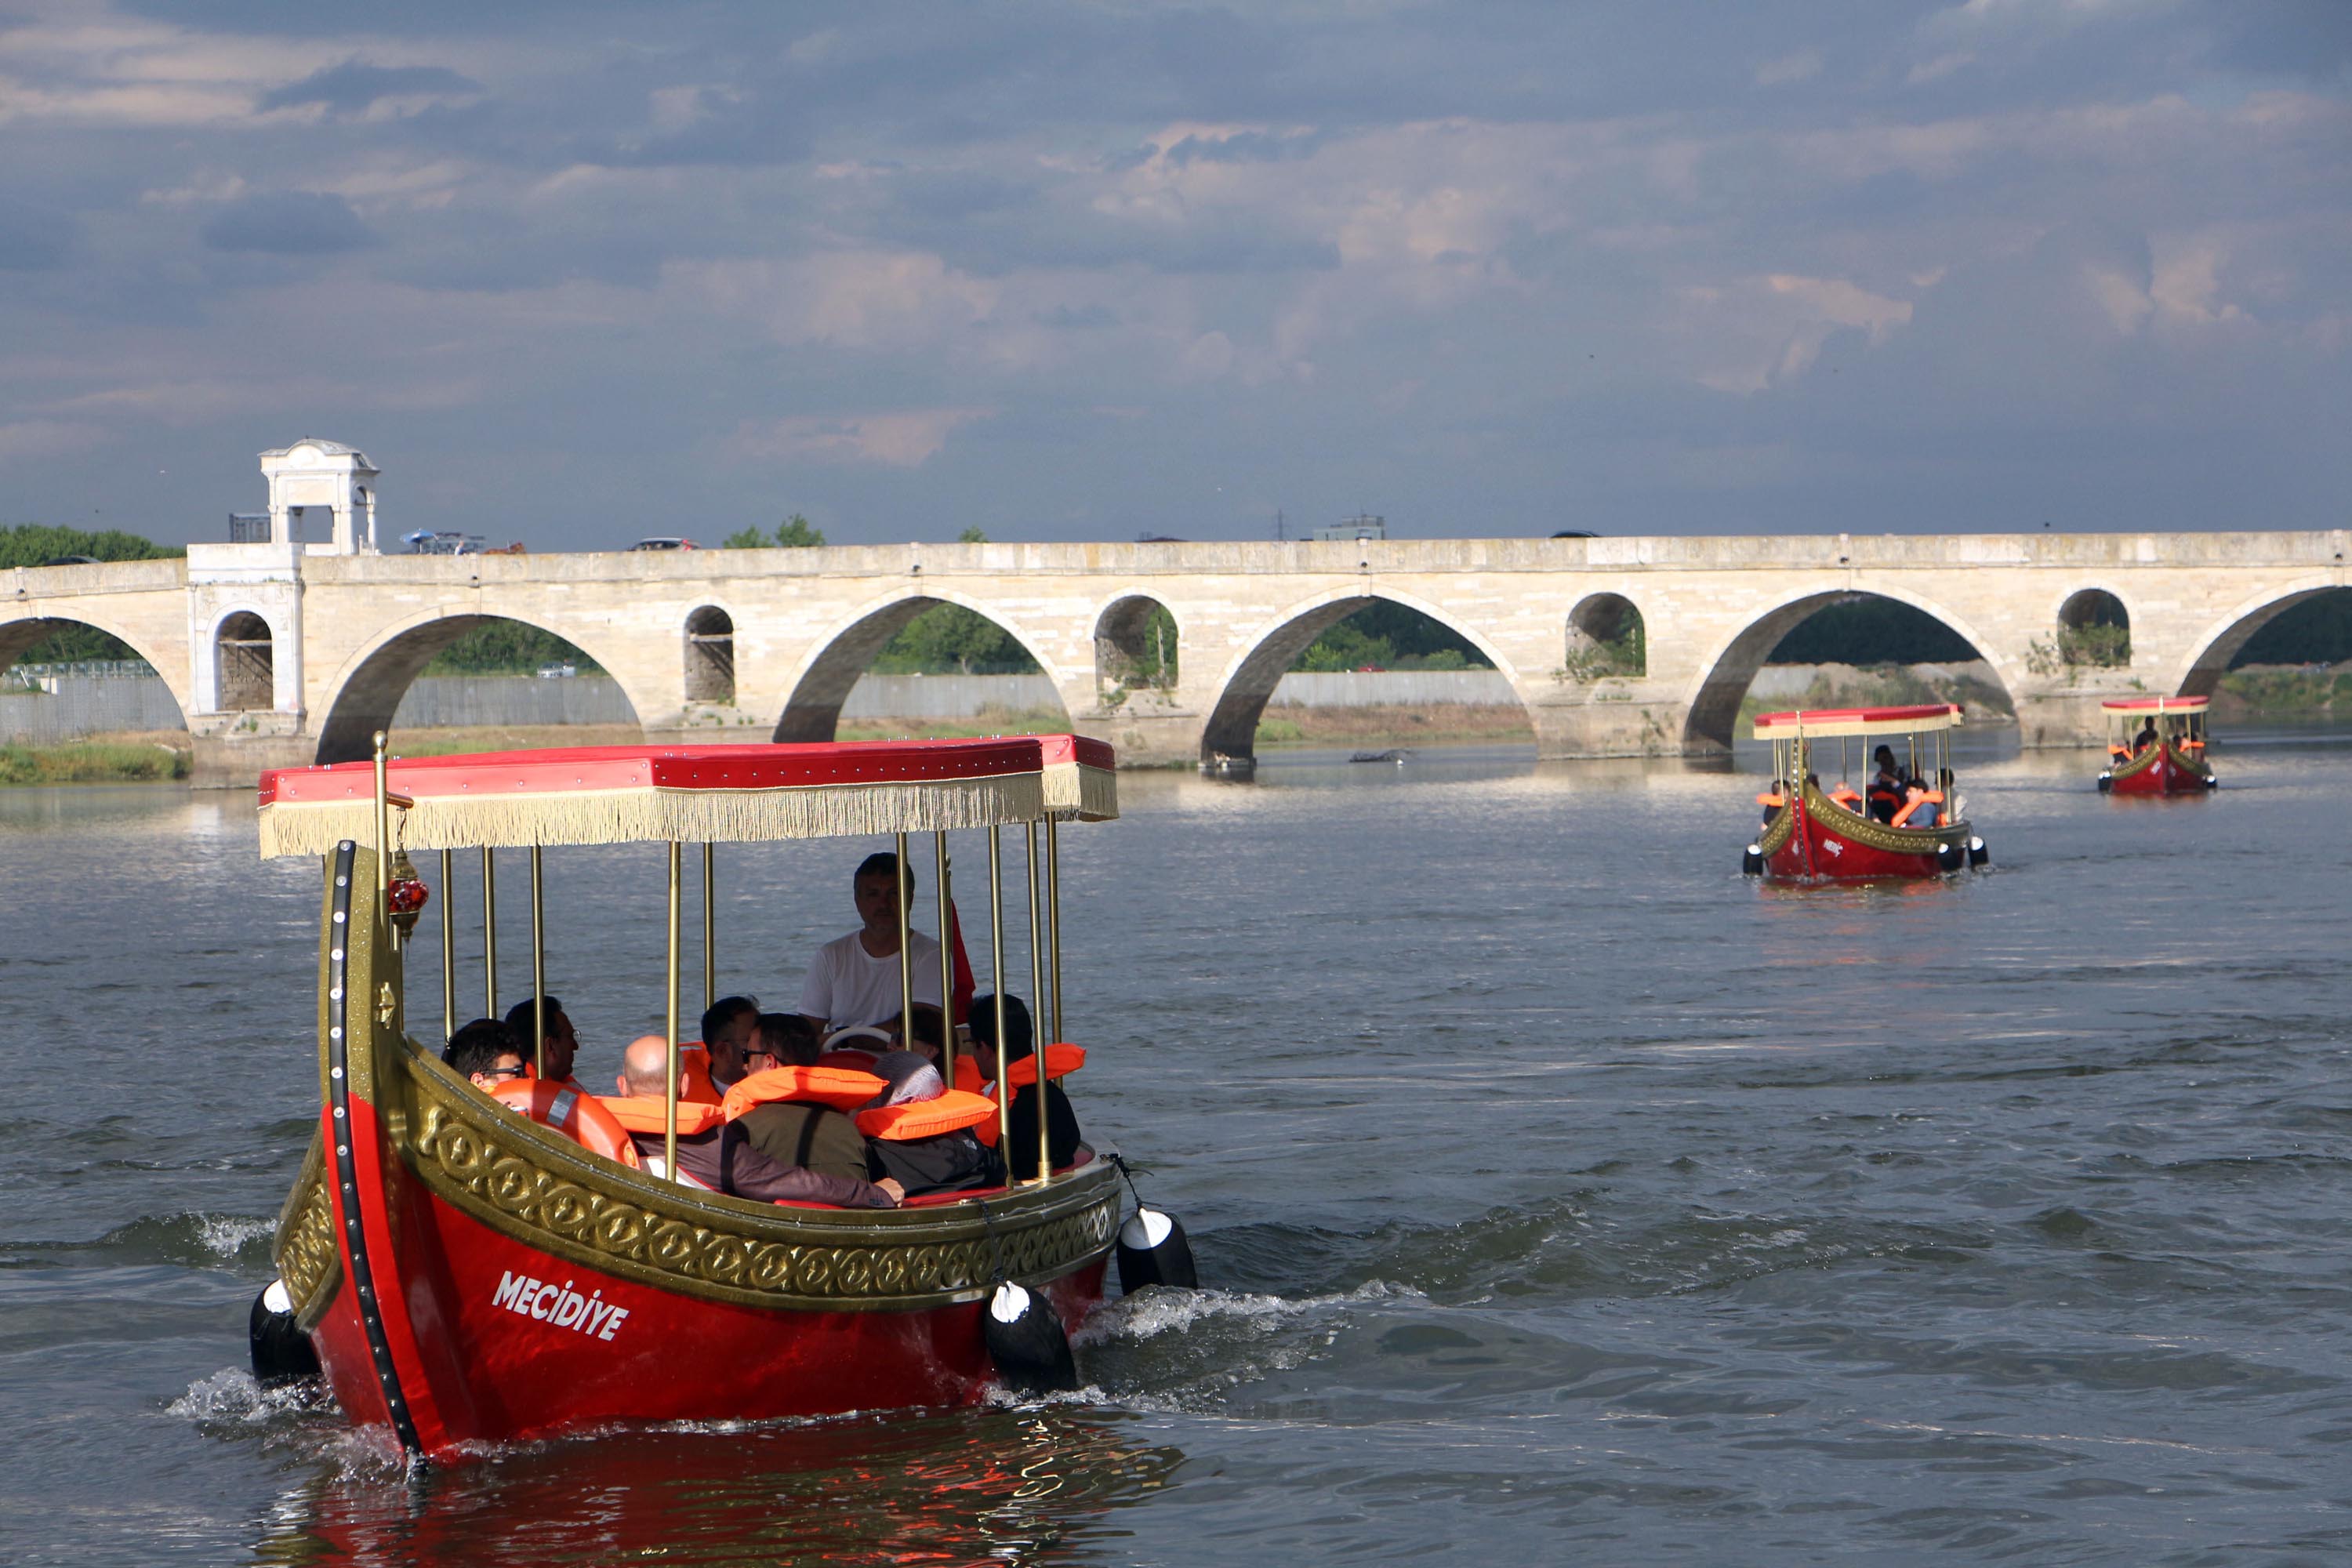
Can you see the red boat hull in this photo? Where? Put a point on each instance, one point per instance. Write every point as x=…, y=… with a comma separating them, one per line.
x=1822, y=845
x=511, y=1375
x=2167, y=772
x=496, y=1340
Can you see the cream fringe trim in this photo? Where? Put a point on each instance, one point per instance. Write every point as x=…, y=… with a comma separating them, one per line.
x=1073, y=789
x=660, y=816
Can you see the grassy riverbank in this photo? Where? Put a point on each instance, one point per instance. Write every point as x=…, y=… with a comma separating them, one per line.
x=1438, y=724
x=95, y=761
x=2284, y=689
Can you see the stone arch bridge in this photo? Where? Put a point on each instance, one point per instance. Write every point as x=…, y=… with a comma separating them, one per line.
x=279, y=654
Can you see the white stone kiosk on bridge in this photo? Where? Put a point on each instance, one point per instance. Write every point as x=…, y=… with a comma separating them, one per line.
x=314, y=475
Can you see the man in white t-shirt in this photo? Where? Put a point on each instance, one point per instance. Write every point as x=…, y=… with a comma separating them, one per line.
x=855, y=979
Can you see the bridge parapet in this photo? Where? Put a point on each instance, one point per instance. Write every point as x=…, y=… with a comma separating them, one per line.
x=344, y=634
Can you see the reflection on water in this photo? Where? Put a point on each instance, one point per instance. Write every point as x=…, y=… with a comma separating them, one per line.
x=1007, y=1486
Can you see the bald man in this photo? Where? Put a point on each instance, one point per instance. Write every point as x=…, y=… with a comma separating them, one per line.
x=722, y=1157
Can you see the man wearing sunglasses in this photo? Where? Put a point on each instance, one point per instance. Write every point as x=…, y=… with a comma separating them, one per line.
x=487, y=1052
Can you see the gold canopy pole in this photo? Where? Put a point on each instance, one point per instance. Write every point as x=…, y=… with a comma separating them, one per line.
x=1037, y=998
x=709, y=936
x=383, y=846
x=489, y=934
x=669, y=1094
x=947, y=966
x=538, y=970
x=899, y=870
x=996, y=966
x=448, y=945
x=1054, y=911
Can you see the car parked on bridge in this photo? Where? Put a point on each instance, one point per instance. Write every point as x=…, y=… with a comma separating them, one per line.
x=665, y=543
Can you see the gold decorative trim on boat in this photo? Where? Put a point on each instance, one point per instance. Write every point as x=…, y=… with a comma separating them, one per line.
x=1832, y=818
x=1777, y=835
x=305, y=1251
x=544, y=1190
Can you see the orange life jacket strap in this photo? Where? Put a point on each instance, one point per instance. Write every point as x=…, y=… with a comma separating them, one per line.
x=1769, y=798
x=1061, y=1060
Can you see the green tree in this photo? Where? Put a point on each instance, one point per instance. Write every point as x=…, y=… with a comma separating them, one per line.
x=972, y=535
x=509, y=648
x=29, y=544
x=1393, y=636
x=797, y=532
x=948, y=640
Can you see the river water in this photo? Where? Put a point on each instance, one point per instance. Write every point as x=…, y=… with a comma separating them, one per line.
x=1561, y=1195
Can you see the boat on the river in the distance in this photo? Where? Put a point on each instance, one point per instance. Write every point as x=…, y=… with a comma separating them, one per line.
x=1907, y=822
x=2156, y=745
x=477, y=1260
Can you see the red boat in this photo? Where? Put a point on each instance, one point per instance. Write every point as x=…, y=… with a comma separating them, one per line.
x=469, y=1276
x=2156, y=745
x=1908, y=822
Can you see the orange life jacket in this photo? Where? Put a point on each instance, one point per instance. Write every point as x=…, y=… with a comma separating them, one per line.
x=1844, y=794
x=643, y=1113
x=1769, y=798
x=579, y=1116
x=836, y=1086
x=1061, y=1060
x=1932, y=797
x=949, y=1112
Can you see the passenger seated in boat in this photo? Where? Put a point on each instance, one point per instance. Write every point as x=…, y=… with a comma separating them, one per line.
x=716, y=1154
x=799, y=1133
x=854, y=980
x=487, y=1052
x=1774, y=800
x=2146, y=737
x=1956, y=805
x=787, y=1039
x=727, y=1026
x=562, y=1045
x=1062, y=1137
x=1884, y=790
x=1917, y=811
x=952, y=1161
x=1841, y=793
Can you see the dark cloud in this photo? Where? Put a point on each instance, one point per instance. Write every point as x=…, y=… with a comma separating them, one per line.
x=351, y=87
x=33, y=238
x=287, y=223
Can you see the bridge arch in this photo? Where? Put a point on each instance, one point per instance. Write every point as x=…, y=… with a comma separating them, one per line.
x=847, y=650
x=2218, y=647
x=1729, y=669
x=244, y=664
x=1606, y=637
x=1247, y=683
x=710, y=655
x=363, y=695
x=21, y=635
x=1137, y=639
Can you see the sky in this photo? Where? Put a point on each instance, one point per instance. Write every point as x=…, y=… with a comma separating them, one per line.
x=573, y=274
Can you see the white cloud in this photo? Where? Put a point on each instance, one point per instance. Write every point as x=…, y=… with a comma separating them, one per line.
x=1762, y=332
x=905, y=439
x=1803, y=66
x=29, y=438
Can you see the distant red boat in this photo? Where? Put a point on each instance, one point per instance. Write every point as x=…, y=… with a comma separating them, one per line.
x=1837, y=833
x=2156, y=745
x=467, y=1274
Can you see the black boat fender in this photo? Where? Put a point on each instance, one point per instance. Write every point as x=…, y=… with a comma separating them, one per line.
x=1951, y=857
x=1154, y=1250
x=2106, y=783
x=1025, y=1340
x=1977, y=854
x=1751, y=861
x=282, y=1352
